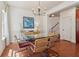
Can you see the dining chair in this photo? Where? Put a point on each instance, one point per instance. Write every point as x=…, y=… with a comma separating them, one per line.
x=53, y=40
x=23, y=46
x=40, y=45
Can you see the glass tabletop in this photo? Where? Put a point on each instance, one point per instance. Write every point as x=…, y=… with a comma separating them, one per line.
x=34, y=37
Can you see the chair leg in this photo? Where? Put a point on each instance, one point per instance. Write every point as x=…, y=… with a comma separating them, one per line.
x=10, y=53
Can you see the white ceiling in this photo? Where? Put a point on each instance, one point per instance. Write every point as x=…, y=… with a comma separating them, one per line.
x=33, y=4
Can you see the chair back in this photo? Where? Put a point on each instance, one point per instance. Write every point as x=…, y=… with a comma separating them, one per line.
x=52, y=40
x=41, y=44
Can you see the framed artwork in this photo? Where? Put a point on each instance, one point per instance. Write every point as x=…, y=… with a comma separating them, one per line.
x=28, y=22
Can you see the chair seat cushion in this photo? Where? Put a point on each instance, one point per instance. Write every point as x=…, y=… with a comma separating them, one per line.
x=23, y=44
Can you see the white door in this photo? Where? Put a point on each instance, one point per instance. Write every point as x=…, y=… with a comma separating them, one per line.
x=67, y=28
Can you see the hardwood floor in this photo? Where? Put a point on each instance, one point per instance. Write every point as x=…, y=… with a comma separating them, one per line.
x=66, y=49
x=63, y=48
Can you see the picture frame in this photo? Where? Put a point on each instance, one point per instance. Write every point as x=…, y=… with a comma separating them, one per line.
x=28, y=22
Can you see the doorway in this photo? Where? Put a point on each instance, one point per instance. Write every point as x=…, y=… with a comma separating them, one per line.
x=53, y=24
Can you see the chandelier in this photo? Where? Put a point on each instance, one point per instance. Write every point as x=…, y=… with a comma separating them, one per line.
x=39, y=11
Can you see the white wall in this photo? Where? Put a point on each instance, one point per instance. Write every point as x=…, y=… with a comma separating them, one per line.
x=52, y=21
x=38, y=22
x=16, y=21
x=44, y=24
x=68, y=24
x=2, y=43
x=2, y=6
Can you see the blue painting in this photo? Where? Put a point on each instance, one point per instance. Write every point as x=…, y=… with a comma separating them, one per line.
x=28, y=22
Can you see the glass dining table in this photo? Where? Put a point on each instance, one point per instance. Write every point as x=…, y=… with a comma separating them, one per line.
x=35, y=37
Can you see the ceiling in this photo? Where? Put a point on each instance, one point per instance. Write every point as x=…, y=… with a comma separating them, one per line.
x=33, y=4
